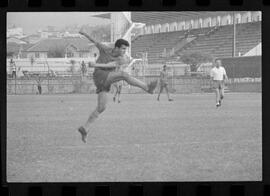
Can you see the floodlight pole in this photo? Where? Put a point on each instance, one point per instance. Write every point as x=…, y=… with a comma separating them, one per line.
x=234, y=36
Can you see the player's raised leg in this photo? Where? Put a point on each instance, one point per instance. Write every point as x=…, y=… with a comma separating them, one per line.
x=101, y=106
x=120, y=75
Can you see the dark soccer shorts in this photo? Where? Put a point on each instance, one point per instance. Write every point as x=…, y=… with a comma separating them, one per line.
x=100, y=77
x=163, y=84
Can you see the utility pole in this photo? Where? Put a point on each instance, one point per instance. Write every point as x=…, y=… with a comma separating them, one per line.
x=234, y=36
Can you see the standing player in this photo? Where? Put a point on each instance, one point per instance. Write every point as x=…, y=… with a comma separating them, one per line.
x=163, y=82
x=117, y=86
x=13, y=68
x=117, y=93
x=217, y=75
x=105, y=74
x=39, y=81
x=83, y=69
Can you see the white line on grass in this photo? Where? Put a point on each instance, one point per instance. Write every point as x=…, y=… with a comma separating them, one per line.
x=161, y=144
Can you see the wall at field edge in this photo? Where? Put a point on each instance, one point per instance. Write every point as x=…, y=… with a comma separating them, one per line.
x=78, y=85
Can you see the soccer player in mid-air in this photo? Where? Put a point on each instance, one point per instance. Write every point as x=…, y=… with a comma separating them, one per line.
x=163, y=82
x=218, y=74
x=105, y=74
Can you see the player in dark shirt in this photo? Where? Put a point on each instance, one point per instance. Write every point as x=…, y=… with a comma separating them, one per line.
x=105, y=74
x=163, y=82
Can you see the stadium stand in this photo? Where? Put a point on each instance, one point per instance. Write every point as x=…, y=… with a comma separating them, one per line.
x=213, y=40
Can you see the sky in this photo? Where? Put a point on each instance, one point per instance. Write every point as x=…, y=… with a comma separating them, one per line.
x=32, y=21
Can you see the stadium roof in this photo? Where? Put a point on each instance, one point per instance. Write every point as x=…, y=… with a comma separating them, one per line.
x=106, y=15
x=166, y=17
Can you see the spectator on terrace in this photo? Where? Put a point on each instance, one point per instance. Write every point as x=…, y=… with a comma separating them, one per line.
x=83, y=68
x=13, y=68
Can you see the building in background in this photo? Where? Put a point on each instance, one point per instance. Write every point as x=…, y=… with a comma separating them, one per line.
x=61, y=48
x=16, y=40
x=15, y=32
x=32, y=39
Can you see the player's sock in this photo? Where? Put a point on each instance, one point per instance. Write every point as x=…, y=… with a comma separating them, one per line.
x=219, y=102
x=83, y=133
x=113, y=99
x=170, y=99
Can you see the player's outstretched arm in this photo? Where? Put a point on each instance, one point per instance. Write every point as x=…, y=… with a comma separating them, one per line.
x=132, y=61
x=104, y=65
x=90, y=38
x=225, y=76
x=211, y=79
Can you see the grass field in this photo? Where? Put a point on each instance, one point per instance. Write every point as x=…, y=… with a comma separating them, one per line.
x=139, y=139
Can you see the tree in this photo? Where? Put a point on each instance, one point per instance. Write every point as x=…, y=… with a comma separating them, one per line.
x=195, y=60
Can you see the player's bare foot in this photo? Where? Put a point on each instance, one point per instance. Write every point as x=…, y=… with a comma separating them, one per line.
x=152, y=86
x=83, y=133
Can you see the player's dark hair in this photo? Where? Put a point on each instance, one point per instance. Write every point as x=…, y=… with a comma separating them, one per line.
x=217, y=60
x=121, y=42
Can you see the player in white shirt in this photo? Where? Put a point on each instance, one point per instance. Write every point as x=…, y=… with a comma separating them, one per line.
x=218, y=74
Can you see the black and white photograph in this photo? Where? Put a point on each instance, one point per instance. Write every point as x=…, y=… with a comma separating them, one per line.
x=134, y=96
